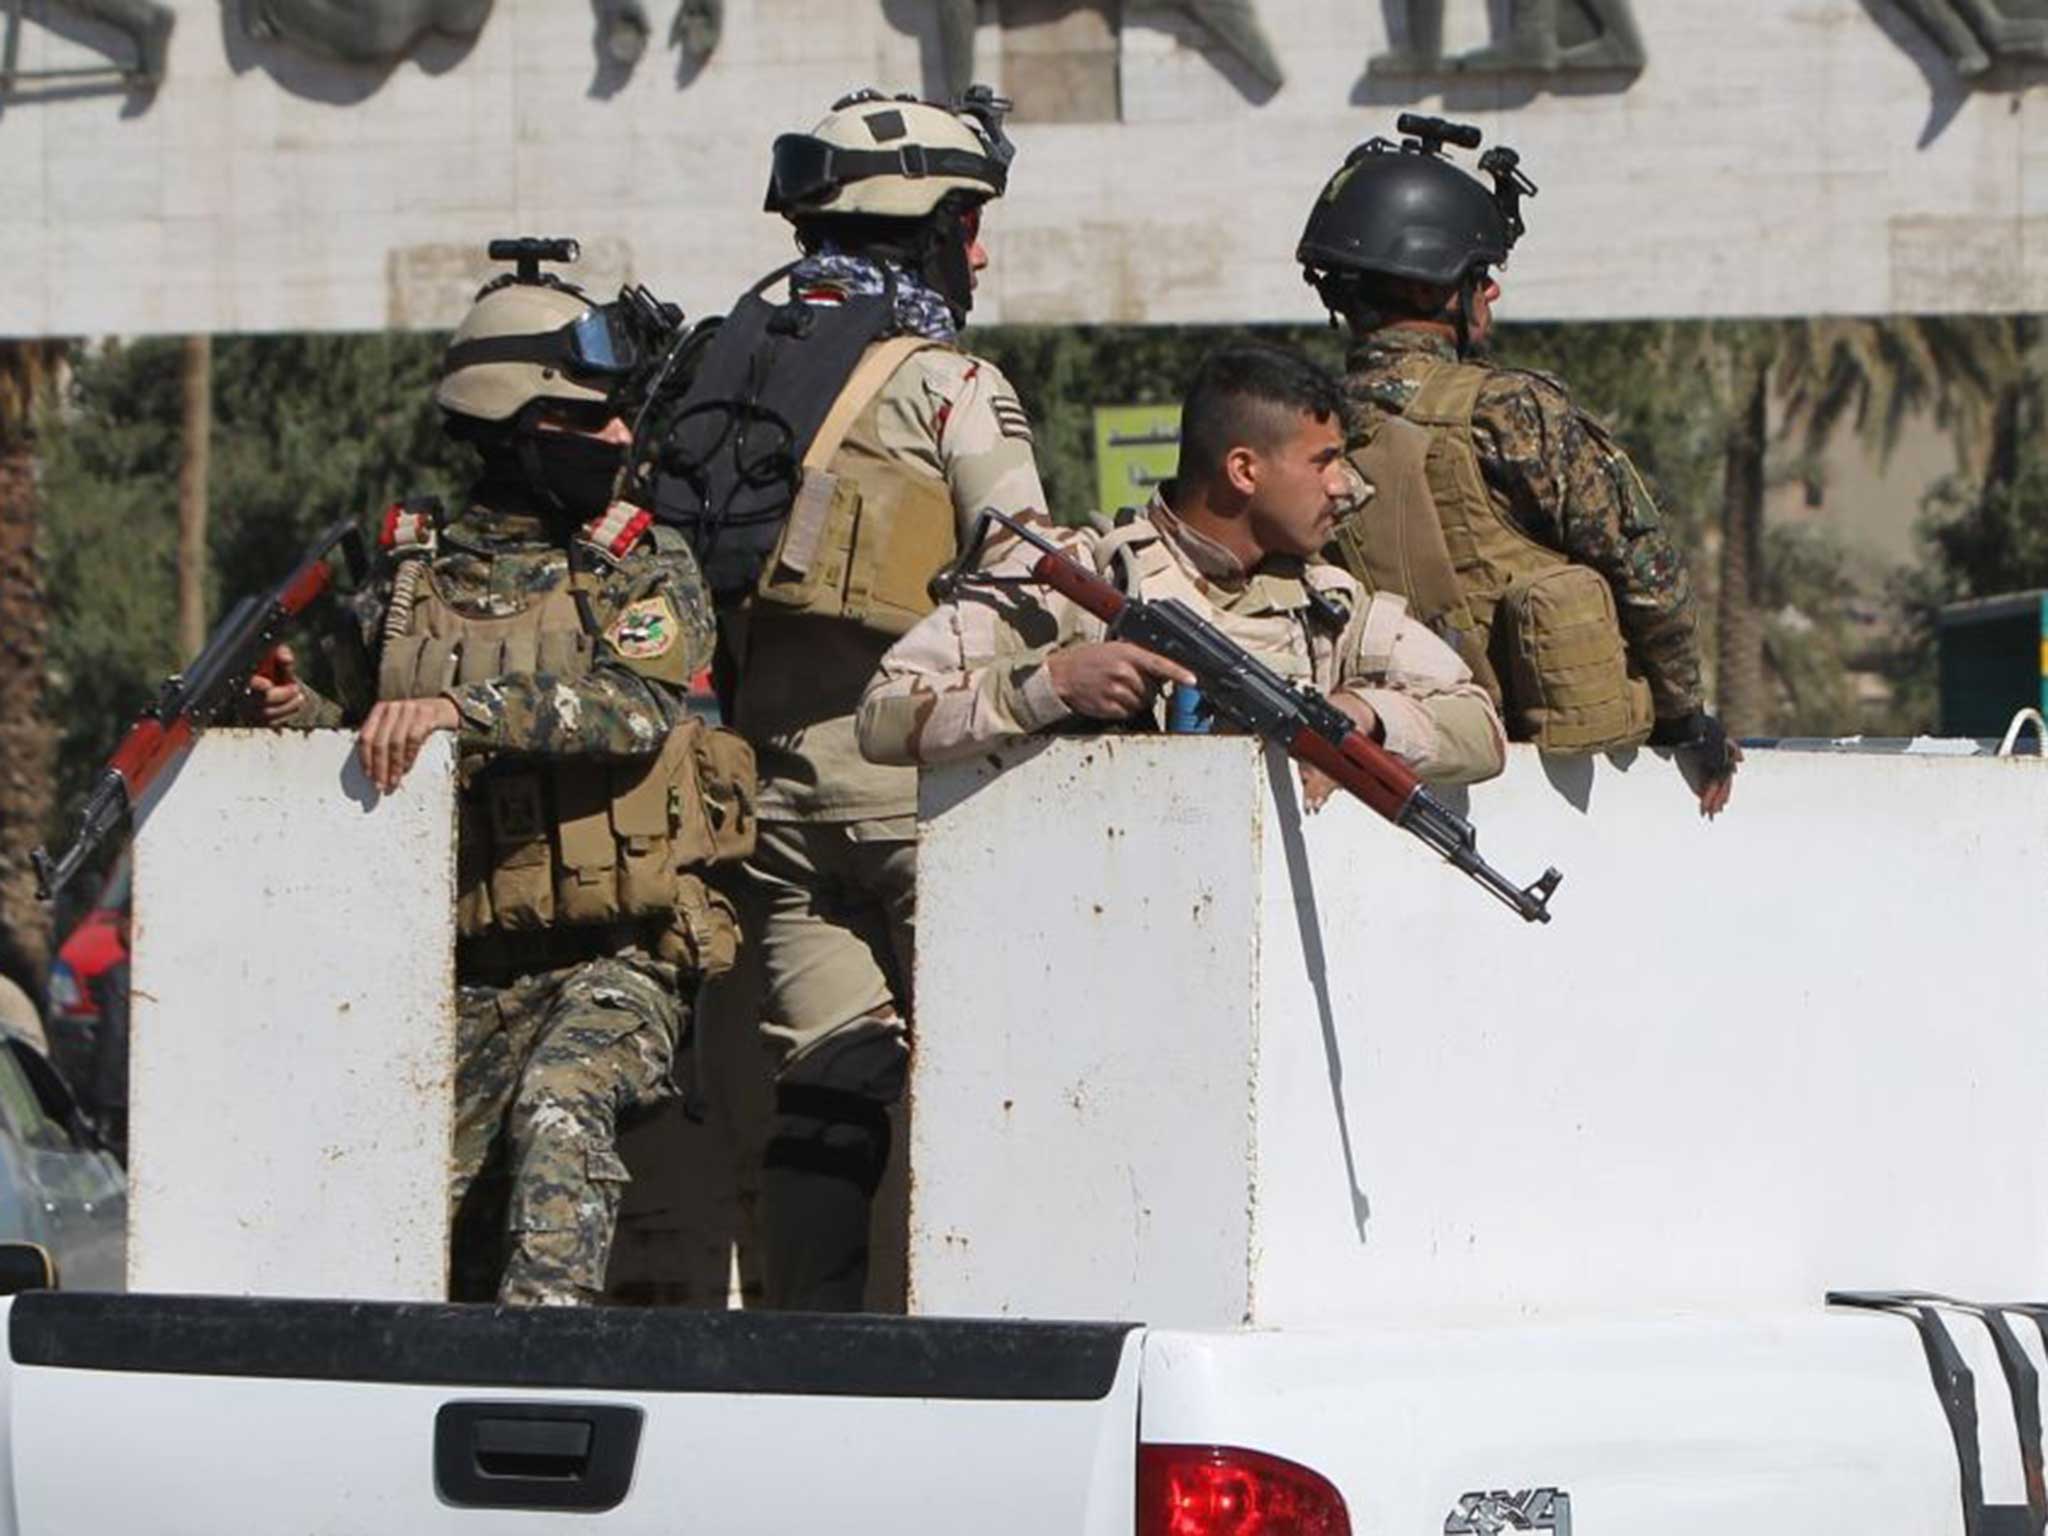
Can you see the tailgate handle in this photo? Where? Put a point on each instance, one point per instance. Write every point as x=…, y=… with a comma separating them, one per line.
x=535, y=1455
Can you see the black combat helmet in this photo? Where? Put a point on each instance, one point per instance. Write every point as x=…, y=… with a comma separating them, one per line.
x=1406, y=211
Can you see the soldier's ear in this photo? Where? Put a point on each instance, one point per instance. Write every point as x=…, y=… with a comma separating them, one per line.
x=1242, y=467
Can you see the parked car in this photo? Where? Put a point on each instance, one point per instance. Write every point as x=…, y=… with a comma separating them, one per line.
x=74, y=996
x=59, y=1188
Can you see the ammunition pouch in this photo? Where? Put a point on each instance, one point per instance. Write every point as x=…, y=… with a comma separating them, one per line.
x=1569, y=685
x=589, y=845
x=863, y=545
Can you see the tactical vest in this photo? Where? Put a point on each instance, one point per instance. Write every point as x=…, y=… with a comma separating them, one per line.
x=575, y=844
x=867, y=530
x=1539, y=631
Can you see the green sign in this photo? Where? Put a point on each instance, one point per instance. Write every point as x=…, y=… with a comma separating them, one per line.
x=1136, y=447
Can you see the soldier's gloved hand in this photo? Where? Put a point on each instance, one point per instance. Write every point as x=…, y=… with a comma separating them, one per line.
x=272, y=701
x=1110, y=679
x=390, y=739
x=1706, y=755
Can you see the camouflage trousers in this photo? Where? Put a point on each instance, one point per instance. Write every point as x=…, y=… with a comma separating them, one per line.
x=545, y=1065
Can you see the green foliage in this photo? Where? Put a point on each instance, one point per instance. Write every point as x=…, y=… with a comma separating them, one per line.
x=1062, y=373
x=1810, y=601
x=305, y=429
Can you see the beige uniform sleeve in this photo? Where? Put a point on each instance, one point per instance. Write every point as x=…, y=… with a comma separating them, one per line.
x=960, y=417
x=1437, y=719
x=972, y=672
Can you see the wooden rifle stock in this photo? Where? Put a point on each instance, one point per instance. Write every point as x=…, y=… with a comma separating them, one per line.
x=1245, y=691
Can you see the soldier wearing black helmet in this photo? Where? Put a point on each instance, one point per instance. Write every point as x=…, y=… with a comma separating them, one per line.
x=834, y=450
x=1513, y=522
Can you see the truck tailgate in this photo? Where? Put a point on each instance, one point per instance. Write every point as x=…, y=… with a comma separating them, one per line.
x=165, y=1414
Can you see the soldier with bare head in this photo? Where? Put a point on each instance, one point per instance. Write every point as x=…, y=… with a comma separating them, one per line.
x=1512, y=521
x=1236, y=536
x=834, y=447
x=552, y=631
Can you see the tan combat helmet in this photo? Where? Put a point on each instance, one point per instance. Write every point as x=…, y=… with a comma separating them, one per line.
x=532, y=337
x=891, y=157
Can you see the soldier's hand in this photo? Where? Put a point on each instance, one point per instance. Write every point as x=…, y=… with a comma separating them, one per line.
x=1110, y=679
x=1714, y=789
x=1707, y=757
x=390, y=740
x=1316, y=785
x=273, y=701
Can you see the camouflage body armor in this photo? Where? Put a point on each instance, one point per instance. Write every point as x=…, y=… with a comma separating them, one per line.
x=576, y=844
x=1539, y=631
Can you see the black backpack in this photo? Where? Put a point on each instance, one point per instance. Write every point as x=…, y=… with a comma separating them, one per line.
x=731, y=454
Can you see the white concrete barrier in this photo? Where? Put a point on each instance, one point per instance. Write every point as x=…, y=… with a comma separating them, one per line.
x=293, y=1024
x=1184, y=1057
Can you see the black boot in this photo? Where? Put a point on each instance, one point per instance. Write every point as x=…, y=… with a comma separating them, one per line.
x=825, y=1156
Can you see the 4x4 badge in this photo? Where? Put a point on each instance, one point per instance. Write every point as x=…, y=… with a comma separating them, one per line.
x=1489, y=1514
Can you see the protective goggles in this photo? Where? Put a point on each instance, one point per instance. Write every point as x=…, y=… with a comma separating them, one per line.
x=598, y=341
x=804, y=171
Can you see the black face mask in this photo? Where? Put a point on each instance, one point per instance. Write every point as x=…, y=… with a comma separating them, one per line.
x=573, y=473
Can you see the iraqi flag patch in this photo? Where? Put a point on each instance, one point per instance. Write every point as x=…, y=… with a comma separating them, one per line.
x=644, y=630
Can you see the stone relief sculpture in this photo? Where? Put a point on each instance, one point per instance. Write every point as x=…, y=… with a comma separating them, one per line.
x=1976, y=34
x=1233, y=23
x=146, y=24
x=1543, y=37
x=623, y=29
x=362, y=31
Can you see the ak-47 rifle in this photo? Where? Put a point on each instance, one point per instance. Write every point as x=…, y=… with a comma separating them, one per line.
x=243, y=646
x=1243, y=690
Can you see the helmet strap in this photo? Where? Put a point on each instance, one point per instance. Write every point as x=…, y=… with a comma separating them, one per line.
x=942, y=259
x=1468, y=286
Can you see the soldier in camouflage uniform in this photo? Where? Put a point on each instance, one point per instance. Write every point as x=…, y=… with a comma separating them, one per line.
x=1235, y=536
x=886, y=196
x=553, y=633
x=1529, y=492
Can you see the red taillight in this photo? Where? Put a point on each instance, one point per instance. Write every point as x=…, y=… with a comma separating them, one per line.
x=1214, y=1490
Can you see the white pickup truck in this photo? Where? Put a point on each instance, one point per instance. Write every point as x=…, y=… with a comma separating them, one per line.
x=1400, y=1217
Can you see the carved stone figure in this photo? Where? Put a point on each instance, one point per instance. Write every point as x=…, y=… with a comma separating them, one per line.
x=623, y=30
x=143, y=22
x=1977, y=34
x=1233, y=23
x=362, y=31
x=1543, y=37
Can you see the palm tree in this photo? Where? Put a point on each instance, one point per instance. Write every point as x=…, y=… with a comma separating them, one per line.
x=28, y=743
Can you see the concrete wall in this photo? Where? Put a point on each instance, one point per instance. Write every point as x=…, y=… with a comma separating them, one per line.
x=1773, y=159
x=293, y=1024
x=1217, y=1065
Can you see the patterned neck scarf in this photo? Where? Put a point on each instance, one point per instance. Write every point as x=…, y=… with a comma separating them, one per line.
x=919, y=310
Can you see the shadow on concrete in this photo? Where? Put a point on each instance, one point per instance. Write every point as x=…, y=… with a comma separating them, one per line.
x=320, y=77
x=110, y=43
x=1947, y=90
x=1280, y=770
x=944, y=30
x=920, y=19
x=1474, y=91
x=1572, y=778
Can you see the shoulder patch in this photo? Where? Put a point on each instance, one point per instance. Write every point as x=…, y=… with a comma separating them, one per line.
x=645, y=630
x=1011, y=417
